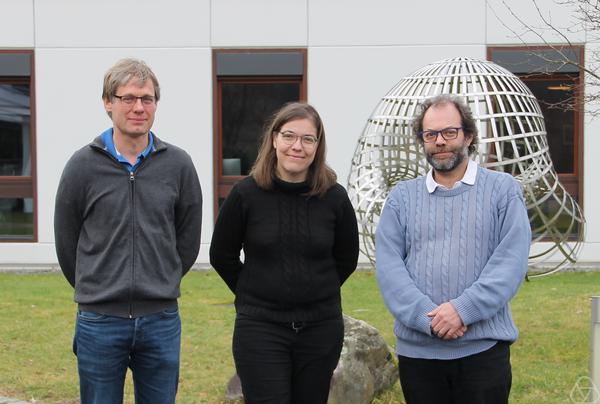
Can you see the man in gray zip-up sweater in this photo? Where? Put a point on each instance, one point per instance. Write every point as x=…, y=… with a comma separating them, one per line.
x=127, y=227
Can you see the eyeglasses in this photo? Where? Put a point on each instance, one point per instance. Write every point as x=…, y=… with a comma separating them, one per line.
x=430, y=136
x=289, y=138
x=129, y=99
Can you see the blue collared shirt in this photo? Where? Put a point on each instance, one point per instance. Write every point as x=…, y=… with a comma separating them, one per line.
x=107, y=138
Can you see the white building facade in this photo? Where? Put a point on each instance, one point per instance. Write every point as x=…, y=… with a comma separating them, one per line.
x=341, y=56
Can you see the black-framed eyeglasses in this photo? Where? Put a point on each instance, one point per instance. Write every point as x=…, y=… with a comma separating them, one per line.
x=129, y=99
x=289, y=138
x=430, y=136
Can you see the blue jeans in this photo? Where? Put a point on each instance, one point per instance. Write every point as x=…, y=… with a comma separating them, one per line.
x=106, y=346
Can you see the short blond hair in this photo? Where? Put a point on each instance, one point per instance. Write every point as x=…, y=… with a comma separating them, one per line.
x=123, y=72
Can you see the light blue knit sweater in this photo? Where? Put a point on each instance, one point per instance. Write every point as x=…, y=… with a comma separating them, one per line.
x=468, y=245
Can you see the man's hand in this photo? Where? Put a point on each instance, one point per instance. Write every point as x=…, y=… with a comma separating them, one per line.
x=446, y=323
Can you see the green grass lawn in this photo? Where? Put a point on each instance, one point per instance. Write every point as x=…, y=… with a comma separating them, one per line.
x=37, y=313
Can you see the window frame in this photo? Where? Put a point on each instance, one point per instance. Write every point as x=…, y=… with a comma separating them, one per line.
x=573, y=182
x=222, y=184
x=23, y=186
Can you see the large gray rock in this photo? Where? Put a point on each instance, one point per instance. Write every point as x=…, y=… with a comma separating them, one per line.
x=366, y=367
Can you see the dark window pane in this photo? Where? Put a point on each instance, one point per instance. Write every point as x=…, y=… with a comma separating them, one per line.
x=537, y=60
x=559, y=122
x=16, y=218
x=553, y=212
x=15, y=153
x=245, y=106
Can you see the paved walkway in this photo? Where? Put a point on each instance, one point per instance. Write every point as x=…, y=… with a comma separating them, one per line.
x=6, y=400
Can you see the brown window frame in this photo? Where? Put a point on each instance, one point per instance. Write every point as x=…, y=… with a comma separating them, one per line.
x=23, y=186
x=222, y=184
x=573, y=182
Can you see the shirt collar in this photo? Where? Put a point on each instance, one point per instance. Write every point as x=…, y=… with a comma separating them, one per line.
x=468, y=178
x=107, y=137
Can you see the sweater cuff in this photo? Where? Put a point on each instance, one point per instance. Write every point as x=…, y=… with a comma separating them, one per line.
x=423, y=323
x=467, y=311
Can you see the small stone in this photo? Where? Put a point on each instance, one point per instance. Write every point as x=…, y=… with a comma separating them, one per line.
x=234, y=390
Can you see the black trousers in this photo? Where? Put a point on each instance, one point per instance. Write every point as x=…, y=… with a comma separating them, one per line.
x=286, y=362
x=483, y=378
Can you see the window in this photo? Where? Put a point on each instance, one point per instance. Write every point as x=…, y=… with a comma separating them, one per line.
x=17, y=162
x=249, y=86
x=558, y=87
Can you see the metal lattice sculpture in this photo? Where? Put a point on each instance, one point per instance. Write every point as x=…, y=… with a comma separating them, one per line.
x=512, y=139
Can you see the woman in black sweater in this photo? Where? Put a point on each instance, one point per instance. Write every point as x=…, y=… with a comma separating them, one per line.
x=299, y=235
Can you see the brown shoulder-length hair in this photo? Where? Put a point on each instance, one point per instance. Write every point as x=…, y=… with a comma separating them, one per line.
x=320, y=176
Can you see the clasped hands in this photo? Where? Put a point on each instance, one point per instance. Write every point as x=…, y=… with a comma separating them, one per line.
x=446, y=322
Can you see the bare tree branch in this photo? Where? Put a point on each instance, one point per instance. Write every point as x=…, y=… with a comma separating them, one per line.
x=587, y=15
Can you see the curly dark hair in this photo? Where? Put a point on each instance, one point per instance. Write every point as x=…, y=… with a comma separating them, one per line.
x=466, y=117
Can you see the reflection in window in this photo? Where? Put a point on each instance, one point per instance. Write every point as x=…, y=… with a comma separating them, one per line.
x=553, y=213
x=16, y=218
x=251, y=84
x=15, y=157
x=245, y=107
x=551, y=94
x=17, y=140
x=554, y=84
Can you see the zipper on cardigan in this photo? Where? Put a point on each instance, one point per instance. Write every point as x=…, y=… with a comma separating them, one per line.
x=132, y=187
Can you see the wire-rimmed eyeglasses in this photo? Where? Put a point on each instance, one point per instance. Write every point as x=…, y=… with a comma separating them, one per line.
x=289, y=138
x=129, y=99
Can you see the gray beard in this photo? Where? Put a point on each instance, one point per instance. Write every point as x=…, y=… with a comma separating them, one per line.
x=447, y=165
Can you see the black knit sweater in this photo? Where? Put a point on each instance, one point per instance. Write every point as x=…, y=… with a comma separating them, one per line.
x=298, y=250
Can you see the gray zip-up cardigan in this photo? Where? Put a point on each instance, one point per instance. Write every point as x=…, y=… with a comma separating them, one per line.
x=124, y=241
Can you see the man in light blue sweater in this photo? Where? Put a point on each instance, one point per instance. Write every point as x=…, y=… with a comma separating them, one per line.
x=452, y=250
